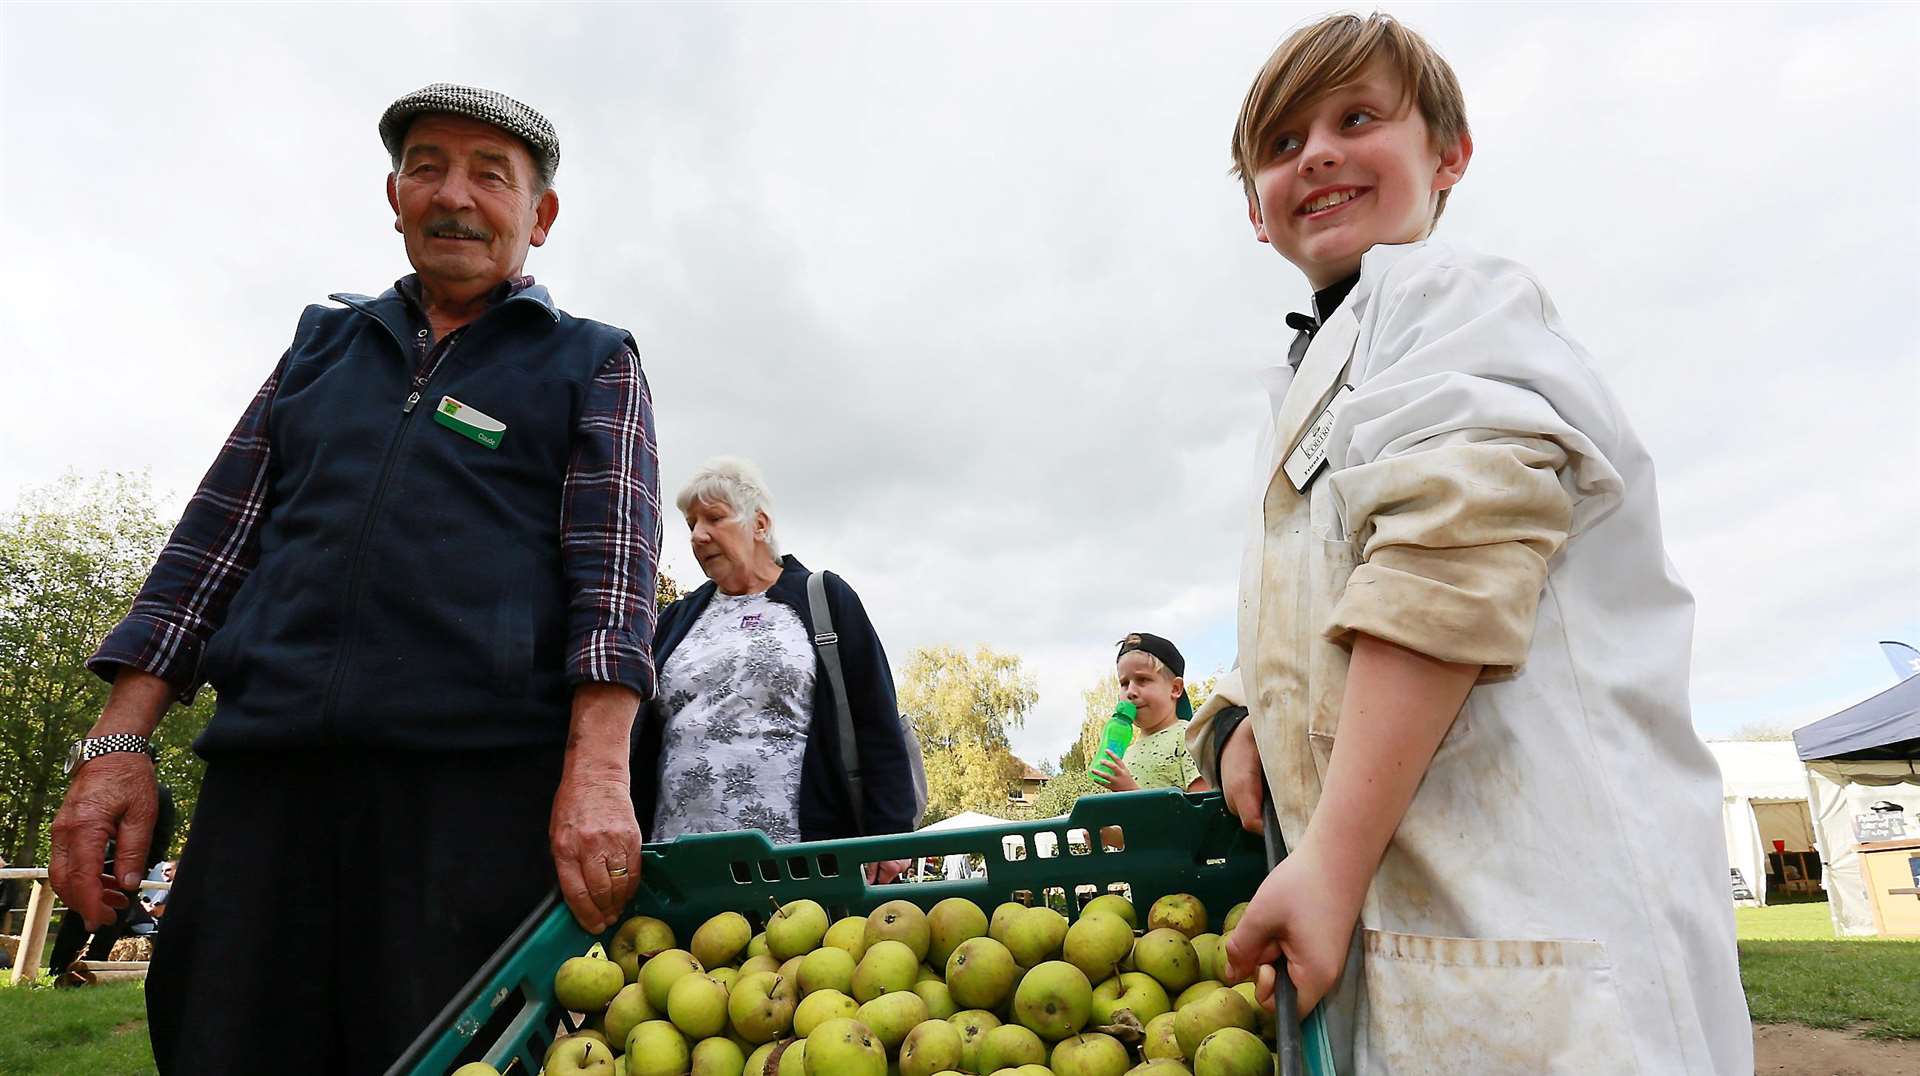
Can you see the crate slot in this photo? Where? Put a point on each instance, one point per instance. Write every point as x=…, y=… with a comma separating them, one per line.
x=1014, y=848
x=1079, y=842
x=1113, y=839
x=797, y=869
x=769, y=871
x=742, y=874
x=829, y=865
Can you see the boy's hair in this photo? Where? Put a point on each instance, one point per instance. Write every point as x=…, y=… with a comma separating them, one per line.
x=1317, y=59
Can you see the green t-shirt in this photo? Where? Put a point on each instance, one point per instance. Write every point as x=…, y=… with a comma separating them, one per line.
x=1162, y=760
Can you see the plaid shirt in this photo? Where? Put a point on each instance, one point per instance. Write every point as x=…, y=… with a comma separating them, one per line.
x=609, y=535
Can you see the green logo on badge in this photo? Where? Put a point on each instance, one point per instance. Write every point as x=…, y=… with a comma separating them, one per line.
x=469, y=422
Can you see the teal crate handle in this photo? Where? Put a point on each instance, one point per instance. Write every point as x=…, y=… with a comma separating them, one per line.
x=1173, y=842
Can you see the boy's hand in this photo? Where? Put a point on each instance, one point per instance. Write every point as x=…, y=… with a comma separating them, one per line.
x=1303, y=912
x=1115, y=775
x=1241, y=780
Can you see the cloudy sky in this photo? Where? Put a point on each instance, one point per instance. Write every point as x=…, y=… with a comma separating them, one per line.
x=973, y=285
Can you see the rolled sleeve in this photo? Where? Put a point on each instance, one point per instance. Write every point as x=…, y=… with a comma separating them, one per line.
x=209, y=555
x=610, y=531
x=1454, y=543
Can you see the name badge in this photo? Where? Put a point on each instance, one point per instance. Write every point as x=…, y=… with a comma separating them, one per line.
x=1310, y=454
x=469, y=422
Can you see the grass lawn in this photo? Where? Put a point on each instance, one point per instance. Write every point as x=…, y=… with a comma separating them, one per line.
x=1795, y=971
x=47, y=1032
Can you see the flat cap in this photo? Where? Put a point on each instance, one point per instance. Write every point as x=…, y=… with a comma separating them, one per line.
x=487, y=106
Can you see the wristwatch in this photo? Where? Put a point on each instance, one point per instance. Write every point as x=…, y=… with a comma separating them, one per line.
x=93, y=747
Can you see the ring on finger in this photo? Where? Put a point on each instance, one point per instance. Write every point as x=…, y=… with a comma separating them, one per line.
x=617, y=872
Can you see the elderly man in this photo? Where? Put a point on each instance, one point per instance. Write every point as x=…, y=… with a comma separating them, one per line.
x=420, y=574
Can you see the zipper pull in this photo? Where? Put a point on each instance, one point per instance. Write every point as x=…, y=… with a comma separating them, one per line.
x=412, y=398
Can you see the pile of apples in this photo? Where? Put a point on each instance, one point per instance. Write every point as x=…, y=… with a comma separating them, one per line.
x=948, y=992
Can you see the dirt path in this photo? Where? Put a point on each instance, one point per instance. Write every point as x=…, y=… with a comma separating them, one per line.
x=1792, y=1050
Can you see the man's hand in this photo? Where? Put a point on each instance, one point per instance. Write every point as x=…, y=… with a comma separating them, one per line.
x=596, y=846
x=594, y=834
x=1114, y=774
x=1304, y=913
x=112, y=797
x=886, y=870
x=1241, y=780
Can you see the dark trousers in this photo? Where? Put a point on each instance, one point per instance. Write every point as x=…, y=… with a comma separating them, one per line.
x=328, y=905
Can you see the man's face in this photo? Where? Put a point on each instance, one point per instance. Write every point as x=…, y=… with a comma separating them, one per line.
x=463, y=198
x=1153, y=691
x=1353, y=170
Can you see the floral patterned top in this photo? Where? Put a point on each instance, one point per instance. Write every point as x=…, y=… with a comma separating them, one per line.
x=738, y=697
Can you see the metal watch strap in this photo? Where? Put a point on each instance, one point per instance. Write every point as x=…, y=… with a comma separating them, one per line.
x=95, y=746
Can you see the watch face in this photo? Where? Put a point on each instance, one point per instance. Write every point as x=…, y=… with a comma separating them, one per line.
x=73, y=757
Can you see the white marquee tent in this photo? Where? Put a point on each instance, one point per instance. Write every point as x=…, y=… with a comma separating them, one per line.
x=1865, y=755
x=1763, y=788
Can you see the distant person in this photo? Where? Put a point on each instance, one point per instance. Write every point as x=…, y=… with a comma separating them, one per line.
x=1152, y=675
x=746, y=733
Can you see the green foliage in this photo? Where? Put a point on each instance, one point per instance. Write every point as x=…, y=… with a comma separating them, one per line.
x=962, y=707
x=1058, y=796
x=665, y=590
x=72, y=557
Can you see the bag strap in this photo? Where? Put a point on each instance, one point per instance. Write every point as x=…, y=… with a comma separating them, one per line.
x=827, y=642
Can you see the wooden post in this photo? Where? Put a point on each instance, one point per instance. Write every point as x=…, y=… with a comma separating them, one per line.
x=33, y=936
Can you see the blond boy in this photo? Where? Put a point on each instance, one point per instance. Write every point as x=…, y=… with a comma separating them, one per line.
x=1463, y=649
x=1152, y=675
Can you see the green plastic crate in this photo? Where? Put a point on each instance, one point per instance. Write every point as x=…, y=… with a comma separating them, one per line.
x=1174, y=843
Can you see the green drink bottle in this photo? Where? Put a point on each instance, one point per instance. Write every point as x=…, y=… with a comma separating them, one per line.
x=1118, y=734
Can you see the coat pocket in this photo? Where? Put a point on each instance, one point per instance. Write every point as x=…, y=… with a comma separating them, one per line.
x=1490, y=1007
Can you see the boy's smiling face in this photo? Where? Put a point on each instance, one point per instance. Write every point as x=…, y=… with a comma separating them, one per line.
x=1352, y=170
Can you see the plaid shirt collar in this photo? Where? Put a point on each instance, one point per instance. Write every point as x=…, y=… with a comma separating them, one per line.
x=409, y=289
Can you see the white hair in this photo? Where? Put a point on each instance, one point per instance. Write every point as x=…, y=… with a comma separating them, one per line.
x=736, y=483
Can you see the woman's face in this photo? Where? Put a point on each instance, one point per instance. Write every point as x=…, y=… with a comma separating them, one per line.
x=728, y=549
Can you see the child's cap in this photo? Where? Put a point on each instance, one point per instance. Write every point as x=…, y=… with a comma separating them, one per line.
x=1169, y=656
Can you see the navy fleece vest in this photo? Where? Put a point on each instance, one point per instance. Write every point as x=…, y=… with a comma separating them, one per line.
x=409, y=591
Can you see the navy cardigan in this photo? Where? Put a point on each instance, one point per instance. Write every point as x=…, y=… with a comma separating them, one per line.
x=825, y=807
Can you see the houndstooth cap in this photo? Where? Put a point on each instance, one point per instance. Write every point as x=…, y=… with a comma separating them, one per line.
x=487, y=106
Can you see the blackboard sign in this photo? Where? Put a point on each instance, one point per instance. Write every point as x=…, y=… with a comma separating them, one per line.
x=1880, y=826
x=1740, y=890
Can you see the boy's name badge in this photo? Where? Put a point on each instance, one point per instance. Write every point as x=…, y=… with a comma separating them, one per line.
x=469, y=422
x=1310, y=454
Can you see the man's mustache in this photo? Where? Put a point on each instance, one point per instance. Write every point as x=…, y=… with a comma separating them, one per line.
x=452, y=228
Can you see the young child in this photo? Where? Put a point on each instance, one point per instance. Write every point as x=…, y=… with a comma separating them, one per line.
x=1152, y=673
x=1463, y=648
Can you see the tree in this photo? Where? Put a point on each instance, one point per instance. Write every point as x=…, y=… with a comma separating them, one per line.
x=72, y=557
x=1058, y=796
x=962, y=707
x=665, y=590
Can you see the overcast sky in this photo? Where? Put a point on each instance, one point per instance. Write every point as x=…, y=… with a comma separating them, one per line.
x=973, y=285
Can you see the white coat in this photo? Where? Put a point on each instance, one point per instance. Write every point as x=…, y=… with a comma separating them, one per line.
x=1556, y=898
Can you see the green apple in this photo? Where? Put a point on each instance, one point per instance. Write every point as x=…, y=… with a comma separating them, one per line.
x=1096, y=944
x=1090, y=1055
x=1035, y=936
x=819, y=1007
x=628, y=1010
x=1131, y=991
x=796, y=929
x=1213, y=956
x=1181, y=911
x=636, y=940
x=973, y=1025
x=888, y=966
x=761, y=1006
x=662, y=970
x=849, y=934
x=1168, y=956
x=1009, y=1046
x=845, y=1048
x=1218, y=1009
x=718, y=1057
x=901, y=921
x=1233, y=917
x=793, y=1059
x=1160, y=1041
x=656, y=1048
x=1232, y=1051
x=1003, y=919
x=1195, y=992
x=932, y=1047
x=826, y=968
x=721, y=940
x=697, y=1005
x=938, y=996
x=981, y=973
x=579, y=1055
x=1053, y=1000
x=586, y=984
x=891, y=1016
x=951, y=922
x=1112, y=904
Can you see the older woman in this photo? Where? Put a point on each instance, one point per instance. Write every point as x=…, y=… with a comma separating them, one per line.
x=744, y=733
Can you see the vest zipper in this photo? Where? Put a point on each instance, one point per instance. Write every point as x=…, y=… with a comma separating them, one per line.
x=344, y=658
